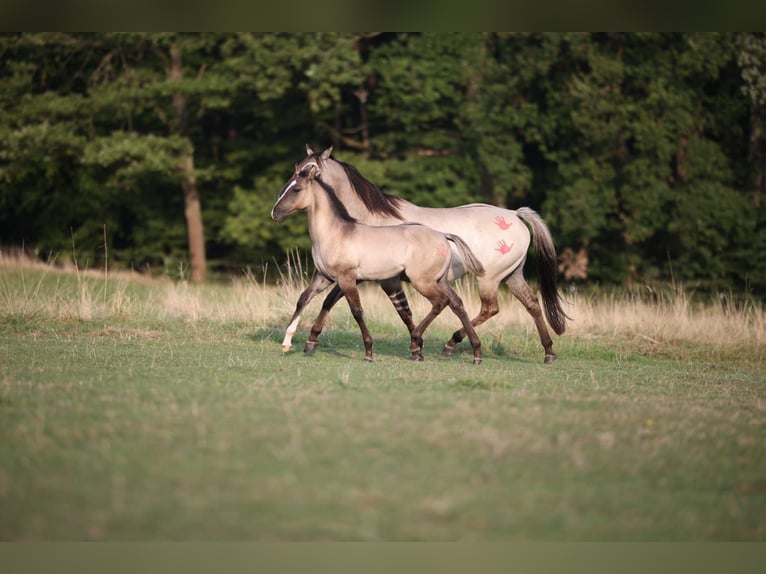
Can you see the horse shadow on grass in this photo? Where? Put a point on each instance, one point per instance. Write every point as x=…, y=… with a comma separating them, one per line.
x=349, y=345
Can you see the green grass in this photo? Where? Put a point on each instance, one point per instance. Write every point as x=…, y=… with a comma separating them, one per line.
x=130, y=411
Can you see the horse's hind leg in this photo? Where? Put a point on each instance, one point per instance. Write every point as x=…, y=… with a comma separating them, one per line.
x=318, y=284
x=429, y=289
x=332, y=298
x=523, y=293
x=489, y=308
x=438, y=302
x=456, y=304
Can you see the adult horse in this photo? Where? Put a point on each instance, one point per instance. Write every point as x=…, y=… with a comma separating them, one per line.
x=498, y=237
x=346, y=251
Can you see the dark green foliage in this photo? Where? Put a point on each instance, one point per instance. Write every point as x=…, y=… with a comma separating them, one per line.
x=645, y=151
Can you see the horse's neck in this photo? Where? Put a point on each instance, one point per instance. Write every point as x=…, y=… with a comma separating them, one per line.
x=325, y=224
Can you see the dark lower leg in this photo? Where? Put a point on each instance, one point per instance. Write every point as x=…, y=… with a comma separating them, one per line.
x=354, y=303
x=393, y=289
x=332, y=298
x=456, y=304
x=416, y=340
x=523, y=293
x=489, y=308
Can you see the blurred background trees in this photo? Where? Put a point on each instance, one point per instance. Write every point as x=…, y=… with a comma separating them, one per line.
x=643, y=152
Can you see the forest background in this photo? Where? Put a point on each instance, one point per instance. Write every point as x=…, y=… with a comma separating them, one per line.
x=644, y=152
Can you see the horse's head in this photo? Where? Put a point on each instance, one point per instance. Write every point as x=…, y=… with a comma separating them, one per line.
x=293, y=196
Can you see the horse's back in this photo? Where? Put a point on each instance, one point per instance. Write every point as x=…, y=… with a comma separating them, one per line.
x=497, y=236
x=418, y=249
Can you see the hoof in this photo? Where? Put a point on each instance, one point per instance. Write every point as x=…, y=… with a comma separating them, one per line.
x=369, y=359
x=310, y=346
x=549, y=359
x=286, y=348
x=417, y=357
x=448, y=350
x=477, y=360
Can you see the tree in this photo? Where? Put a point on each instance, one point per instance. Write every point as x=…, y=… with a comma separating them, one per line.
x=644, y=152
x=149, y=83
x=751, y=58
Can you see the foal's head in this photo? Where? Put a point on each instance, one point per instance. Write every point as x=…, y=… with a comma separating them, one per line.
x=291, y=197
x=298, y=192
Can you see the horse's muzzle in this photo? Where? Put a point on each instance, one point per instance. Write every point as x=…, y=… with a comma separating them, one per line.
x=276, y=216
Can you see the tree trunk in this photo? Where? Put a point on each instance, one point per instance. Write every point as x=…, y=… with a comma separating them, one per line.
x=755, y=155
x=361, y=95
x=195, y=230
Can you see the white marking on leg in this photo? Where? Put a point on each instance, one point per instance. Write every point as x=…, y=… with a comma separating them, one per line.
x=287, y=343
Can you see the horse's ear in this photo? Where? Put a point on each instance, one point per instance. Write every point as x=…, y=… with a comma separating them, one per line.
x=309, y=151
x=313, y=172
x=326, y=153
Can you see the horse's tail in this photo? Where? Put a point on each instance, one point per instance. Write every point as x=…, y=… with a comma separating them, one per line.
x=470, y=260
x=546, y=268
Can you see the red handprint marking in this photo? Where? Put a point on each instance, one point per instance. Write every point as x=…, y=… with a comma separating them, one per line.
x=502, y=223
x=503, y=247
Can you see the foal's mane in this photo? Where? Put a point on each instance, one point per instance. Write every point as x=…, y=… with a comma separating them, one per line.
x=336, y=203
x=375, y=199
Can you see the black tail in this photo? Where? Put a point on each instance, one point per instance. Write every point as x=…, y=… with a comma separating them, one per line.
x=546, y=269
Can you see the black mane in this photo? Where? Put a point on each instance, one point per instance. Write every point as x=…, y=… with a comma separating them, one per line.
x=375, y=199
x=336, y=203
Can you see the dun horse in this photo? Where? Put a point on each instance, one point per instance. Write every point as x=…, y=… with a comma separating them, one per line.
x=498, y=237
x=346, y=251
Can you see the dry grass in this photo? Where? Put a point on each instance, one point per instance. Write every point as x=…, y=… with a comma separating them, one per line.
x=674, y=317
x=649, y=319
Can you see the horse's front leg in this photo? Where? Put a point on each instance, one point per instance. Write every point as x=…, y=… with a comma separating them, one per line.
x=318, y=284
x=393, y=288
x=348, y=286
x=332, y=298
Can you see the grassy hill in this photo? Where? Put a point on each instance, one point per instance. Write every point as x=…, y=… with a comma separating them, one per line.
x=148, y=409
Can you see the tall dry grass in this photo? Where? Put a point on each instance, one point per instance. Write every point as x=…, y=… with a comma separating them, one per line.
x=30, y=288
x=651, y=318
x=673, y=316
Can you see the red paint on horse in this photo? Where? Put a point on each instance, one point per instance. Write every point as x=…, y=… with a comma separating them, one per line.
x=502, y=223
x=503, y=247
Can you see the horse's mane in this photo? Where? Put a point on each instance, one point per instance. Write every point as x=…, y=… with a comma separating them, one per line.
x=336, y=203
x=375, y=199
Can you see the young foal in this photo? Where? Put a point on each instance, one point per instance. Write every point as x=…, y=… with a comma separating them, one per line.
x=346, y=251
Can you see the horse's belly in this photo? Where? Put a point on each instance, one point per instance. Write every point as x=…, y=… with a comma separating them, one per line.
x=379, y=268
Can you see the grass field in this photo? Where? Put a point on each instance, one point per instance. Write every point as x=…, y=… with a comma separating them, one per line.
x=146, y=409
